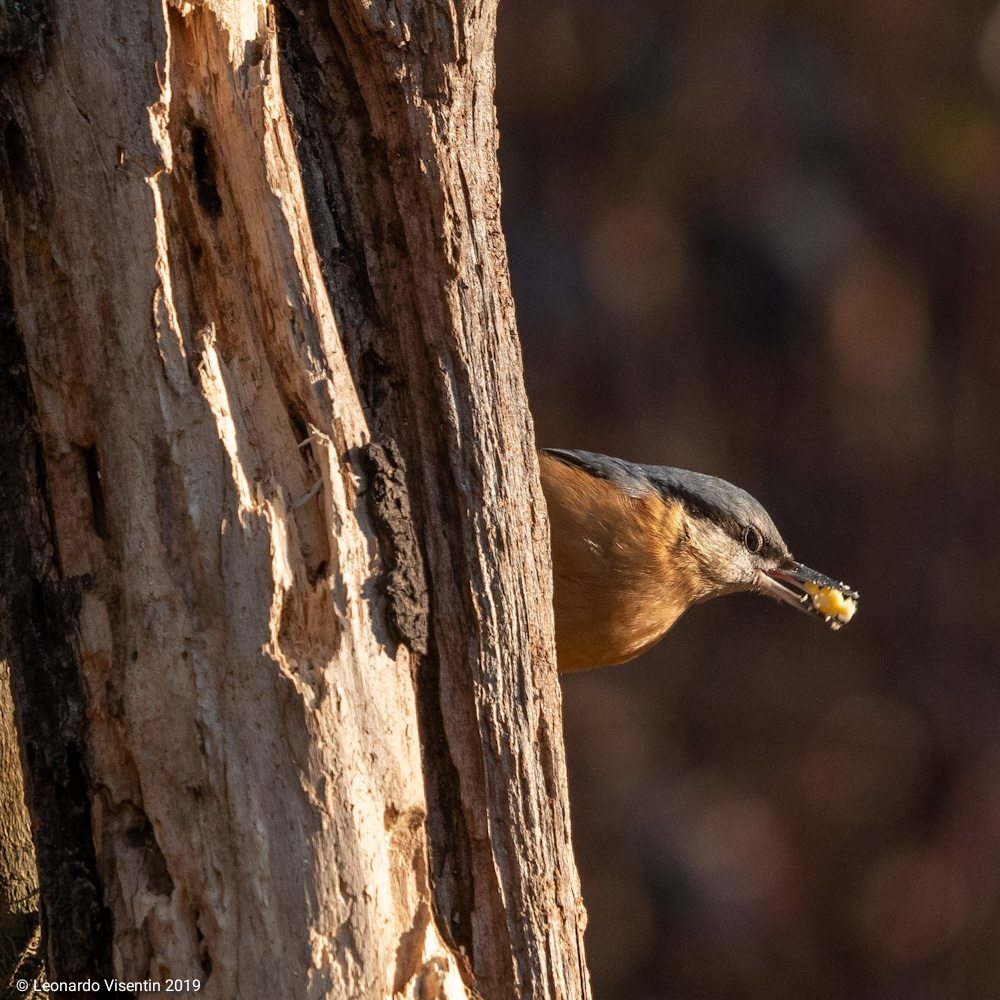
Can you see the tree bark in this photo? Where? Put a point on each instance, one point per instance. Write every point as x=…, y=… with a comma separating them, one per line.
x=278, y=609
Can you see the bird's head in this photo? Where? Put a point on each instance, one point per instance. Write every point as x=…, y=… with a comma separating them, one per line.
x=738, y=548
x=725, y=537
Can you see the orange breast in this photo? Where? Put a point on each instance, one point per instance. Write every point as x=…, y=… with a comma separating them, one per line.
x=620, y=577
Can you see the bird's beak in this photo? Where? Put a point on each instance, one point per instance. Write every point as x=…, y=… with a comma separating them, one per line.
x=809, y=591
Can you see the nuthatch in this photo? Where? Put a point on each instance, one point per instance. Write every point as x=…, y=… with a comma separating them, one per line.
x=633, y=546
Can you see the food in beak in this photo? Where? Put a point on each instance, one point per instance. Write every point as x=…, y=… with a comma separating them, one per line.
x=837, y=607
x=810, y=591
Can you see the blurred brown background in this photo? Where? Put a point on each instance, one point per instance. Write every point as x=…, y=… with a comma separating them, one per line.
x=762, y=240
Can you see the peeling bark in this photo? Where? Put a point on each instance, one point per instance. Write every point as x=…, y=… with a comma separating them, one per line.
x=292, y=660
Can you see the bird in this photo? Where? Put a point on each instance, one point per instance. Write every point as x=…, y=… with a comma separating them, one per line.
x=634, y=546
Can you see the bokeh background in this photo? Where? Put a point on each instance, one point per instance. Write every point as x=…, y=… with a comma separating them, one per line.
x=762, y=240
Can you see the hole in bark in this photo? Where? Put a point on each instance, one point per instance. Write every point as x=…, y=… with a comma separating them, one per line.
x=140, y=835
x=301, y=430
x=253, y=53
x=97, y=508
x=204, y=172
x=204, y=955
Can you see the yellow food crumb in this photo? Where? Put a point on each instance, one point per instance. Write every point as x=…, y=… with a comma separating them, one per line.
x=832, y=602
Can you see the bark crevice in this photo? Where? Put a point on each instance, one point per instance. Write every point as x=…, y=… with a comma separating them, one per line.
x=38, y=625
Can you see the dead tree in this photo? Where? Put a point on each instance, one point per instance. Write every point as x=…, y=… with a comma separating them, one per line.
x=275, y=589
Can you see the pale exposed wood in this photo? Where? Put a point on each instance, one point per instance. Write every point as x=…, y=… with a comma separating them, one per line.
x=18, y=875
x=258, y=271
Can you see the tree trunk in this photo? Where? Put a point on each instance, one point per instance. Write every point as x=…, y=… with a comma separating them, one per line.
x=278, y=601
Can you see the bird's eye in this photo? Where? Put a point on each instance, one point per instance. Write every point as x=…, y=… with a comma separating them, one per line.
x=752, y=540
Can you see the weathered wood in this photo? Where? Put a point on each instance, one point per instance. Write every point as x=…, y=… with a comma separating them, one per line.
x=18, y=874
x=399, y=137
x=41, y=664
x=293, y=509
